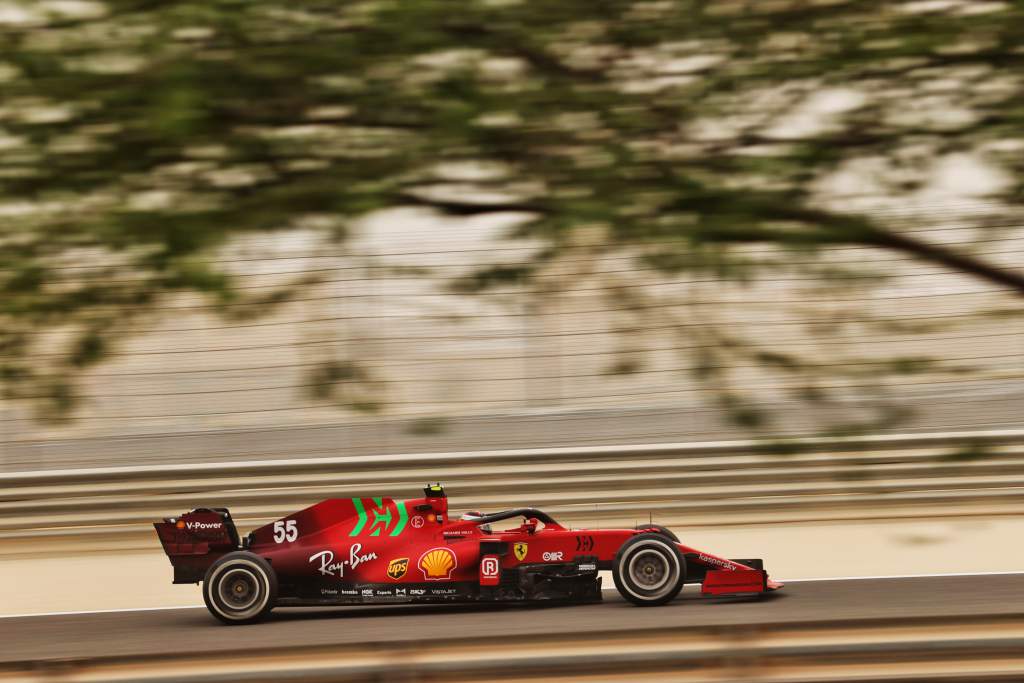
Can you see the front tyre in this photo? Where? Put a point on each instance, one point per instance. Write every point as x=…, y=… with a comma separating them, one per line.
x=649, y=570
x=240, y=588
x=657, y=529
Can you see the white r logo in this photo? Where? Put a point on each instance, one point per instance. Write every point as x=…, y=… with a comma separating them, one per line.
x=489, y=567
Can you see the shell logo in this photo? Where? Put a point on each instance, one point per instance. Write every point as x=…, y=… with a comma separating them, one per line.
x=437, y=564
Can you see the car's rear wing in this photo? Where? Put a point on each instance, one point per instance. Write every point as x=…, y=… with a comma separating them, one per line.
x=195, y=540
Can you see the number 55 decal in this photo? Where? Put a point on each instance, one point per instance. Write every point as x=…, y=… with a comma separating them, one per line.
x=285, y=531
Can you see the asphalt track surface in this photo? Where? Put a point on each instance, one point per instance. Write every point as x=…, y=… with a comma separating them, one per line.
x=193, y=631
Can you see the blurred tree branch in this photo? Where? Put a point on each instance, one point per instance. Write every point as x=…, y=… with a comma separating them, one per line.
x=136, y=136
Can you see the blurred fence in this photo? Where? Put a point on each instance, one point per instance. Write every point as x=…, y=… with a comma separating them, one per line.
x=692, y=483
x=381, y=330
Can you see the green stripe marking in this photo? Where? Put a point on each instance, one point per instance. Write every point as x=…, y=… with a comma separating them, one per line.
x=381, y=520
x=403, y=516
x=361, y=511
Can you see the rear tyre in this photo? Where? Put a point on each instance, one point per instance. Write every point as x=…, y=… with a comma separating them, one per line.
x=649, y=570
x=240, y=588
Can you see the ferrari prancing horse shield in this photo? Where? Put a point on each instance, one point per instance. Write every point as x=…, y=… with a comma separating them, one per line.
x=520, y=550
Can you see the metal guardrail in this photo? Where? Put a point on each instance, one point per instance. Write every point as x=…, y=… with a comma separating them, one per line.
x=622, y=482
x=976, y=648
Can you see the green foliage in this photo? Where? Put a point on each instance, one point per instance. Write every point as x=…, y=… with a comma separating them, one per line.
x=88, y=349
x=742, y=412
x=911, y=366
x=492, y=277
x=968, y=452
x=624, y=366
x=325, y=376
x=348, y=385
x=428, y=426
x=141, y=135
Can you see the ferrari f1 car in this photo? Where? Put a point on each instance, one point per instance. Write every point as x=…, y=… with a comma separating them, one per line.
x=378, y=550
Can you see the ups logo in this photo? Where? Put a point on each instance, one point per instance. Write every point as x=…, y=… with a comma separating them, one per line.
x=398, y=568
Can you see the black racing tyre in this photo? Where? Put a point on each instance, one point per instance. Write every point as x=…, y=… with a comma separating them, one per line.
x=657, y=529
x=240, y=588
x=649, y=570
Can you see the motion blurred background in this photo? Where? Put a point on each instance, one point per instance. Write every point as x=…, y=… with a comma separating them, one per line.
x=235, y=231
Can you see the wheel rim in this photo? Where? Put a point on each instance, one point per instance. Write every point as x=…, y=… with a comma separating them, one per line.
x=239, y=589
x=649, y=570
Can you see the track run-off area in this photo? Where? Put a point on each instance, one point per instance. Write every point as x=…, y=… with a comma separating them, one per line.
x=955, y=627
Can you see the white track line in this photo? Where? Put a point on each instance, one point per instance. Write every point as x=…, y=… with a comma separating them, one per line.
x=610, y=590
x=97, y=611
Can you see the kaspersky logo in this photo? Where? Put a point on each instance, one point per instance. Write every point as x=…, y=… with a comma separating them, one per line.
x=382, y=518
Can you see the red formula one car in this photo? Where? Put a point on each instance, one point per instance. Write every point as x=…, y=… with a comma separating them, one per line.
x=378, y=550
